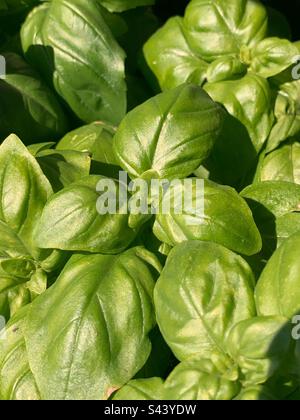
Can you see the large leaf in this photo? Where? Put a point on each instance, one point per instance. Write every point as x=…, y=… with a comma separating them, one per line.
x=220, y=27
x=225, y=219
x=197, y=304
x=28, y=107
x=71, y=219
x=171, y=59
x=83, y=350
x=169, y=135
x=70, y=43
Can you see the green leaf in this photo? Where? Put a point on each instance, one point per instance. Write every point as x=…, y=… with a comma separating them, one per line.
x=96, y=139
x=171, y=134
x=171, y=59
x=64, y=167
x=216, y=28
x=225, y=68
x=271, y=56
x=275, y=206
x=16, y=379
x=18, y=267
x=250, y=101
x=71, y=221
x=277, y=291
x=282, y=164
x=275, y=197
x=35, y=149
x=28, y=106
x=287, y=114
x=286, y=226
x=113, y=295
x=24, y=192
x=259, y=346
x=141, y=389
x=70, y=43
x=225, y=219
x=13, y=294
x=121, y=5
x=193, y=379
x=198, y=379
x=206, y=299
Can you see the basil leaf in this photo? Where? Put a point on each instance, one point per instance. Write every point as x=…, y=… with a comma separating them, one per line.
x=95, y=139
x=71, y=44
x=176, y=63
x=282, y=164
x=277, y=291
x=220, y=27
x=70, y=220
x=275, y=197
x=64, y=167
x=259, y=346
x=250, y=101
x=113, y=295
x=271, y=56
x=225, y=218
x=171, y=134
x=25, y=190
x=16, y=379
x=207, y=299
x=287, y=115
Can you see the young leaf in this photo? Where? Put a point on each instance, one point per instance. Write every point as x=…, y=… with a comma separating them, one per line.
x=226, y=219
x=175, y=63
x=220, y=27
